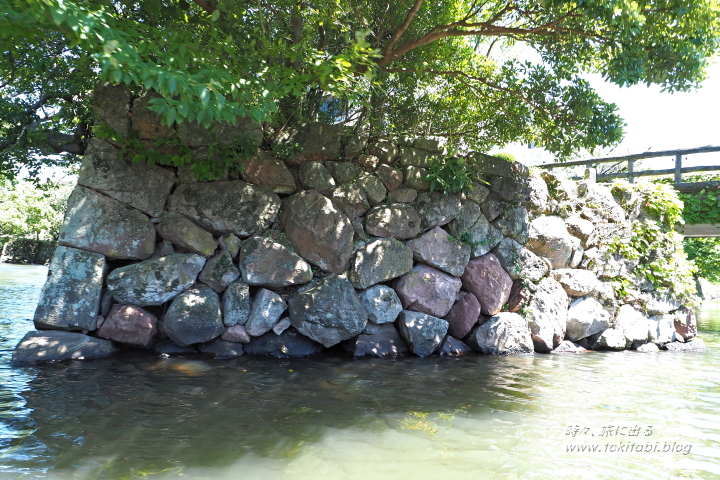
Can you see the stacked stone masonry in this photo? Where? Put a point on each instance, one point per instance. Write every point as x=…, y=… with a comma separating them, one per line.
x=338, y=246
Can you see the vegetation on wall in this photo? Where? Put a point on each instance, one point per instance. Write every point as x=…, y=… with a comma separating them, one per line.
x=654, y=243
x=480, y=74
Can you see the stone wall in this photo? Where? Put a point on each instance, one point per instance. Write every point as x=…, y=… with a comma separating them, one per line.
x=339, y=245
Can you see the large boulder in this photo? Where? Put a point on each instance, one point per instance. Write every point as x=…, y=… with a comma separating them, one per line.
x=547, y=314
x=317, y=141
x=422, y=333
x=103, y=225
x=463, y=315
x=632, y=324
x=130, y=325
x=112, y=107
x=351, y=200
x=685, y=323
x=576, y=282
x=485, y=278
x=428, y=290
x=287, y=344
x=219, y=272
x=549, y=238
x=472, y=227
x=610, y=339
x=154, y=282
x=514, y=222
x=236, y=304
x=194, y=317
x=586, y=317
x=142, y=186
x=321, y=233
x=373, y=188
x=48, y=346
x=504, y=334
x=435, y=248
x=267, y=307
x=661, y=329
x=185, y=234
x=398, y=220
x=266, y=263
x=437, y=209
x=226, y=206
x=70, y=298
x=328, y=311
x=694, y=345
x=381, y=303
x=519, y=262
x=379, y=261
x=315, y=176
x=269, y=172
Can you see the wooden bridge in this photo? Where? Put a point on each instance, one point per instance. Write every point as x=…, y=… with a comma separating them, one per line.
x=630, y=173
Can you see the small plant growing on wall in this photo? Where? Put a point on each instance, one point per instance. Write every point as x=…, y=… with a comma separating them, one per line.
x=450, y=175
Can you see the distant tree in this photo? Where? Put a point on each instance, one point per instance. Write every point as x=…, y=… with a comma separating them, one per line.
x=479, y=72
x=27, y=211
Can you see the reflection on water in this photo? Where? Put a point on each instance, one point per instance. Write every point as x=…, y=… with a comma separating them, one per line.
x=477, y=417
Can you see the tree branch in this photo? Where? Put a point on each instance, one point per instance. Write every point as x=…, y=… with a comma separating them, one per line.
x=402, y=28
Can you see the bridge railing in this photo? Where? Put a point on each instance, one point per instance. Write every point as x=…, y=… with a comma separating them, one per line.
x=631, y=173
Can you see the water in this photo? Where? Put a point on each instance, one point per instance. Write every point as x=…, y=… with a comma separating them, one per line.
x=478, y=417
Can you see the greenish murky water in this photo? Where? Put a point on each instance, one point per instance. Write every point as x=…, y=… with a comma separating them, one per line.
x=479, y=417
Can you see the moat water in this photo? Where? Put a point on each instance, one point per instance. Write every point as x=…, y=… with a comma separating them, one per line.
x=591, y=416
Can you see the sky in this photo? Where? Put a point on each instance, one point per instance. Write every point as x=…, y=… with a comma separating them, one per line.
x=657, y=121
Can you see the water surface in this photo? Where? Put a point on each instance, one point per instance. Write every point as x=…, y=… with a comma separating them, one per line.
x=138, y=416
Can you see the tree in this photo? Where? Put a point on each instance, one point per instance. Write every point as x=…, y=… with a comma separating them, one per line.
x=479, y=72
x=28, y=211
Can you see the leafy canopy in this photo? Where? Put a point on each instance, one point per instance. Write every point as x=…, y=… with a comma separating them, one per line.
x=481, y=73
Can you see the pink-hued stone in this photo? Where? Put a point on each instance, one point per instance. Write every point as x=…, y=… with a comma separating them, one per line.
x=428, y=290
x=130, y=325
x=463, y=316
x=487, y=280
x=236, y=334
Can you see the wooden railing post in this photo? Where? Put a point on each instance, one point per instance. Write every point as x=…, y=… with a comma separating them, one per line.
x=631, y=170
x=678, y=168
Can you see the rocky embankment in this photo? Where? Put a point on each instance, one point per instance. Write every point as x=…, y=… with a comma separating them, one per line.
x=342, y=245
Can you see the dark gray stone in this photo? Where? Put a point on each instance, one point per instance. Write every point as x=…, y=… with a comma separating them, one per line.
x=435, y=248
x=219, y=272
x=236, y=304
x=373, y=188
x=351, y=199
x=315, y=176
x=48, y=346
x=266, y=263
x=318, y=142
x=342, y=172
x=70, y=298
x=288, y=344
x=103, y=225
x=514, y=223
x=381, y=344
x=167, y=348
x=221, y=349
x=267, y=307
x=379, y=261
x=185, y=234
x=398, y=221
x=436, y=209
x=504, y=334
x=112, y=107
x=694, y=345
x=422, y=333
x=472, y=226
x=194, y=317
x=415, y=177
x=381, y=303
x=452, y=347
x=328, y=311
x=142, y=186
x=227, y=207
x=154, y=282
x=384, y=150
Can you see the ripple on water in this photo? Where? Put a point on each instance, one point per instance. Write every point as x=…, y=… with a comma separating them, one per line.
x=134, y=416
